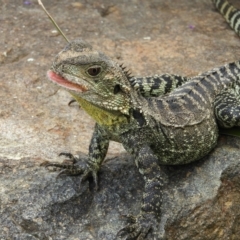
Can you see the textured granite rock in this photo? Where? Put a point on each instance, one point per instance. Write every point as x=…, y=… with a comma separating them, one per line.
x=201, y=200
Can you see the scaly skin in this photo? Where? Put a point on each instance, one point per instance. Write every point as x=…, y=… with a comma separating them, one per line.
x=160, y=120
x=158, y=85
x=230, y=13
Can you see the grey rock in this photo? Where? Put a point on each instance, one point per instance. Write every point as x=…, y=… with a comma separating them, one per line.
x=201, y=200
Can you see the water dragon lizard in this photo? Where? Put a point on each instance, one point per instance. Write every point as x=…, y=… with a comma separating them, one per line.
x=161, y=120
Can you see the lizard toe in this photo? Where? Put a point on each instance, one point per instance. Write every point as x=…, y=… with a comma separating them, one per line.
x=137, y=229
x=76, y=166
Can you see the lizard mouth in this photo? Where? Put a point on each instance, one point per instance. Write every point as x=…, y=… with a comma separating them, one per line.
x=65, y=83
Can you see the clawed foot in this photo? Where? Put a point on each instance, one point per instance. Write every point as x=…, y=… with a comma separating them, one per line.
x=138, y=227
x=75, y=167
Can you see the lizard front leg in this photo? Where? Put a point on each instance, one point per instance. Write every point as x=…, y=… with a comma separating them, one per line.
x=150, y=213
x=97, y=151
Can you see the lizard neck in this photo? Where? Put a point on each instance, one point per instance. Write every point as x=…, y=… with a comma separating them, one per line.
x=101, y=115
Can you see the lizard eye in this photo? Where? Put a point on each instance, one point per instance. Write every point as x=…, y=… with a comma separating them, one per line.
x=94, y=71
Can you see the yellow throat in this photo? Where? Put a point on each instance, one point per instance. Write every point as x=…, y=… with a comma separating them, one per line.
x=100, y=115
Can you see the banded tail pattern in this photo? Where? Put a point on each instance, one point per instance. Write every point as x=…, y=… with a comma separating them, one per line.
x=230, y=13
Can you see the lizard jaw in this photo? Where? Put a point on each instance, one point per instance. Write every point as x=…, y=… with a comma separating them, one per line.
x=56, y=78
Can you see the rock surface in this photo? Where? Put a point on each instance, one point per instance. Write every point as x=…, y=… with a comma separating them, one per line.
x=201, y=200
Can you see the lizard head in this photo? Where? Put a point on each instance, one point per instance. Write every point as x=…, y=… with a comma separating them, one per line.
x=99, y=84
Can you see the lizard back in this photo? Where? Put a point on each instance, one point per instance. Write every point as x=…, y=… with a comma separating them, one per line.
x=188, y=117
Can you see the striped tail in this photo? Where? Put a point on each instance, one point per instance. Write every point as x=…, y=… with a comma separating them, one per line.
x=230, y=13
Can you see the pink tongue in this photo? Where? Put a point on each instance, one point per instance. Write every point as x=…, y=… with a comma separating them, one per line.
x=64, y=82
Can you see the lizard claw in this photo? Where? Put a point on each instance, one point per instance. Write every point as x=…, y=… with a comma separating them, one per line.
x=138, y=228
x=75, y=167
x=69, y=156
x=130, y=218
x=71, y=101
